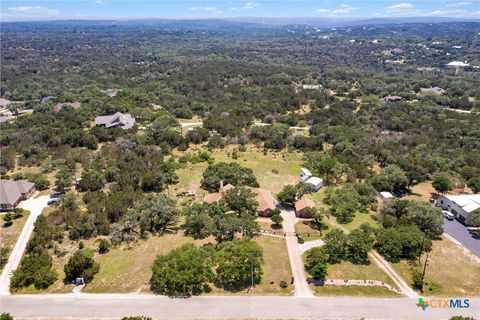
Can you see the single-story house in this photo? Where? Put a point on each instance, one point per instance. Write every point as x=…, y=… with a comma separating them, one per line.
x=462, y=205
x=457, y=64
x=301, y=205
x=307, y=177
x=392, y=99
x=60, y=106
x=12, y=192
x=386, y=195
x=116, y=120
x=266, y=201
x=434, y=90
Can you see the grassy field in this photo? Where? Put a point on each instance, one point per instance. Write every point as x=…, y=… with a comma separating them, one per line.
x=303, y=227
x=452, y=270
x=287, y=164
x=267, y=224
x=349, y=271
x=275, y=269
x=353, y=291
x=361, y=218
x=9, y=235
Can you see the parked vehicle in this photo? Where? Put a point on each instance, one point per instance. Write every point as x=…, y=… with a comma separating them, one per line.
x=53, y=201
x=448, y=215
x=56, y=194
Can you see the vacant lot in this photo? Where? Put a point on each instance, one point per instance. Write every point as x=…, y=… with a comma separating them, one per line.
x=273, y=170
x=276, y=268
x=452, y=270
x=353, y=291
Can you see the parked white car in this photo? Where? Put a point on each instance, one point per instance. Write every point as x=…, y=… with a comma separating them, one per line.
x=448, y=215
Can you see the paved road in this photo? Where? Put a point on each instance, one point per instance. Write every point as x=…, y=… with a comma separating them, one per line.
x=35, y=206
x=460, y=233
x=302, y=289
x=254, y=307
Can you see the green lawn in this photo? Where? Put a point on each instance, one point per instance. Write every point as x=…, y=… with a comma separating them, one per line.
x=287, y=164
x=358, y=220
x=452, y=270
x=349, y=271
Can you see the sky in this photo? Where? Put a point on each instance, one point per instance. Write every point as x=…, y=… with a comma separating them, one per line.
x=134, y=9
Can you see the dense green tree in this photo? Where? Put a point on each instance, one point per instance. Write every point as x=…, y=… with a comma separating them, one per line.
x=231, y=173
x=81, y=265
x=442, y=183
x=288, y=195
x=335, y=246
x=91, y=180
x=239, y=263
x=184, y=271
x=316, y=263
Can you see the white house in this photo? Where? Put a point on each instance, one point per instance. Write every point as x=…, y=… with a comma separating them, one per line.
x=386, y=195
x=462, y=206
x=307, y=177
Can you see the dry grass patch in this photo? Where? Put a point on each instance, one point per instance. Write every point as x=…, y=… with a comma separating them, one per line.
x=354, y=291
x=349, y=271
x=9, y=235
x=452, y=270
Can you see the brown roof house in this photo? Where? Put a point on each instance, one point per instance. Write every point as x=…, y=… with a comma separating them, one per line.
x=116, y=120
x=12, y=192
x=301, y=205
x=266, y=201
x=60, y=106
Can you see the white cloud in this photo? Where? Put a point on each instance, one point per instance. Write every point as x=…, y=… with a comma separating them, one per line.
x=401, y=6
x=99, y=2
x=209, y=9
x=33, y=11
x=247, y=6
x=343, y=9
x=458, y=4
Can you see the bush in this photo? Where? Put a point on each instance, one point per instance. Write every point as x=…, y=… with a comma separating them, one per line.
x=81, y=265
x=103, y=246
x=283, y=284
x=316, y=263
x=6, y=316
x=417, y=282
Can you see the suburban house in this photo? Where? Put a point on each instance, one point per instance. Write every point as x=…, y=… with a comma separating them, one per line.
x=434, y=90
x=457, y=64
x=266, y=201
x=462, y=205
x=392, y=99
x=60, y=106
x=301, y=205
x=116, y=120
x=307, y=177
x=12, y=192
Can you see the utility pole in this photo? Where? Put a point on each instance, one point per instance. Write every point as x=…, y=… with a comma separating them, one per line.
x=251, y=271
x=424, y=270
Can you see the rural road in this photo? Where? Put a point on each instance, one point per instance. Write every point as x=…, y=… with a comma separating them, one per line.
x=35, y=206
x=107, y=306
x=302, y=289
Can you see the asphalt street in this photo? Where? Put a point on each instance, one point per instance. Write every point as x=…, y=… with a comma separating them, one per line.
x=91, y=306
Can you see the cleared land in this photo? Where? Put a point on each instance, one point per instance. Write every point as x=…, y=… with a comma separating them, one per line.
x=451, y=270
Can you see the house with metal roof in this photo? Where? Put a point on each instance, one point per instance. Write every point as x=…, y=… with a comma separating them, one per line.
x=462, y=206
